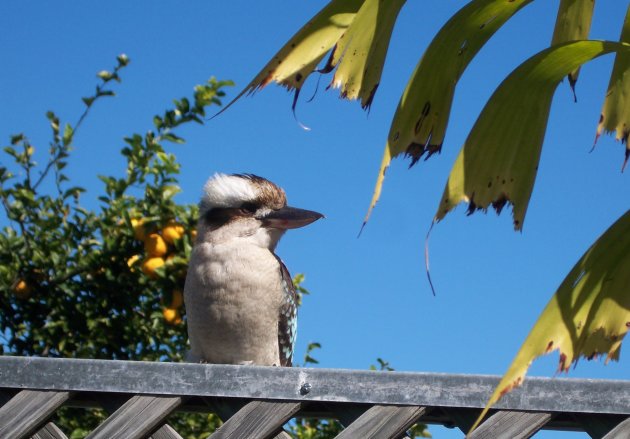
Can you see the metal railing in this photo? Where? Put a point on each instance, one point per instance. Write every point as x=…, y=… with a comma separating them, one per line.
x=255, y=402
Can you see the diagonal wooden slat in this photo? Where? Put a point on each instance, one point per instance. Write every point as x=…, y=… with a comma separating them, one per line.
x=166, y=432
x=137, y=418
x=621, y=431
x=50, y=431
x=28, y=410
x=349, y=413
x=283, y=435
x=258, y=420
x=226, y=408
x=382, y=421
x=111, y=403
x=512, y=424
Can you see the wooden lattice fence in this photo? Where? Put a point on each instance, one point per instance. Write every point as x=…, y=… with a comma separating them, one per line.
x=255, y=402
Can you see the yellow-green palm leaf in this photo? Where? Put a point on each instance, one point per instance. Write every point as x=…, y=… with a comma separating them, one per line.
x=615, y=115
x=360, y=53
x=573, y=23
x=303, y=52
x=419, y=124
x=587, y=317
x=499, y=160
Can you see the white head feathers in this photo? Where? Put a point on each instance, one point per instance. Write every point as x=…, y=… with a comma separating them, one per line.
x=223, y=190
x=232, y=191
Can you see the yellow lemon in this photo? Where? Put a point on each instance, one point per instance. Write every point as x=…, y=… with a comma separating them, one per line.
x=138, y=228
x=172, y=316
x=172, y=232
x=150, y=265
x=154, y=245
x=22, y=290
x=131, y=261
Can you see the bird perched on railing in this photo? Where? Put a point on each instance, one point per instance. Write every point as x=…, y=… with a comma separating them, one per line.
x=240, y=299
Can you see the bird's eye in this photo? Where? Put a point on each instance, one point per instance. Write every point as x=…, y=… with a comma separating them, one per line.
x=249, y=208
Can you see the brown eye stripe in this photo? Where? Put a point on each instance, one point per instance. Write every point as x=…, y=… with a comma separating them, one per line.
x=220, y=216
x=249, y=208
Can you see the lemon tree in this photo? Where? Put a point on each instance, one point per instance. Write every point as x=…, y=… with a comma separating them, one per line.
x=98, y=284
x=102, y=283
x=107, y=283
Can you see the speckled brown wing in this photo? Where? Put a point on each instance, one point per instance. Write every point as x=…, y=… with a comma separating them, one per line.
x=287, y=318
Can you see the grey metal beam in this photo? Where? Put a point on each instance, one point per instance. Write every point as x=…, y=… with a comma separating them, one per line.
x=137, y=418
x=257, y=420
x=515, y=425
x=300, y=384
x=28, y=410
x=386, y=422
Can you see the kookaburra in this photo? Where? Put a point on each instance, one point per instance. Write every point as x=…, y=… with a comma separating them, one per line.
x=240, y=299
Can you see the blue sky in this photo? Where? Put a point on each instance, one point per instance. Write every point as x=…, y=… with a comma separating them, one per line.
x=370, y=297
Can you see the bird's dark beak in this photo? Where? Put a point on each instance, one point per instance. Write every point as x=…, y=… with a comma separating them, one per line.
x=290, y=218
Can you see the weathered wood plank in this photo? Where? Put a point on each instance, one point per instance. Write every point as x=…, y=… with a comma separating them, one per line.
x=348, y=413
x=28, y=410
x=283, y=435
x=137, y=418
x=226, y=408
x=49, y=431
x=258, y=420
x=166, y=432
x=621, y=431
x=386, y=422
x=111, y=403
x=326, y=385
x=515, y=425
